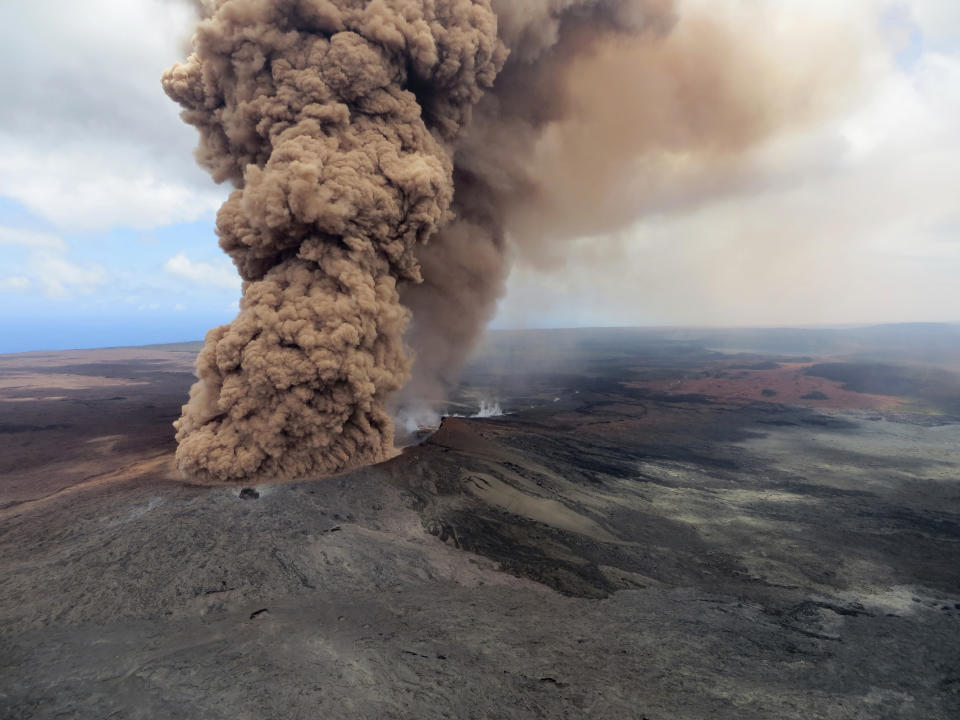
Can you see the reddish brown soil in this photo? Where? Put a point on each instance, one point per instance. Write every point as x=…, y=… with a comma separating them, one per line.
x=788, y=381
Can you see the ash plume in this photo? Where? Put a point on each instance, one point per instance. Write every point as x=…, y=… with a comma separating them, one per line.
x=332, y=121
x=390, y=157
x=604, y=111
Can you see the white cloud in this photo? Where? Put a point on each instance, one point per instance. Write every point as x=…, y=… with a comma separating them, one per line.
x=60, y=277
x=101, y=187
x=31, y=239
x=220, y=275
x=14, y=283
x=46, y=265
x=939, y=19
x=88, y=140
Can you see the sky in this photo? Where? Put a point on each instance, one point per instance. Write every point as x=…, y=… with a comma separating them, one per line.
x=107, y=225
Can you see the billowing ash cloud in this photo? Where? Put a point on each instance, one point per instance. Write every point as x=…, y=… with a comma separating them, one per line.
x=333, y=122
x=603, y=111
x=390, y=156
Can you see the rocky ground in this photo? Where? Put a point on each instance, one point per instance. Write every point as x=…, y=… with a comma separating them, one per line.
x=609, y=549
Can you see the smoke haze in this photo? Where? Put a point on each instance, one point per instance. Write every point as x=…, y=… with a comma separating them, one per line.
x=392, y=157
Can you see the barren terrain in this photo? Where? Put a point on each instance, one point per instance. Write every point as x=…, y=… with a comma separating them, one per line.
x=644, y=534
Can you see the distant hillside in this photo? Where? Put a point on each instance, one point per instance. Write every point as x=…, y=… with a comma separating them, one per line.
x=192, y=346
x=927, y=343
x=923, y=342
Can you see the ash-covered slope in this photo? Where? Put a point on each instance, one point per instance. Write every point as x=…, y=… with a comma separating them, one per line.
x=618, y=553
x=330, y=599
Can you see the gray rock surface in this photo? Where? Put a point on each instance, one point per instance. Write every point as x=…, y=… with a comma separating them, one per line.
x=615, y=554
x=155, y=609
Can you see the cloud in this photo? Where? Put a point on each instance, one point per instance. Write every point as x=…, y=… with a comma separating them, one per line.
x=88, y=140
x=97, y=188
x=31, y=239
x=220, y=274
x=60, y=277
x=43, y=263
x=938, y=19
x=14, y=283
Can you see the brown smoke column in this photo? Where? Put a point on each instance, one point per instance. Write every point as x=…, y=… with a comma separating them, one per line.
x=331, y=120
x=604, y=111
x=389, y=158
